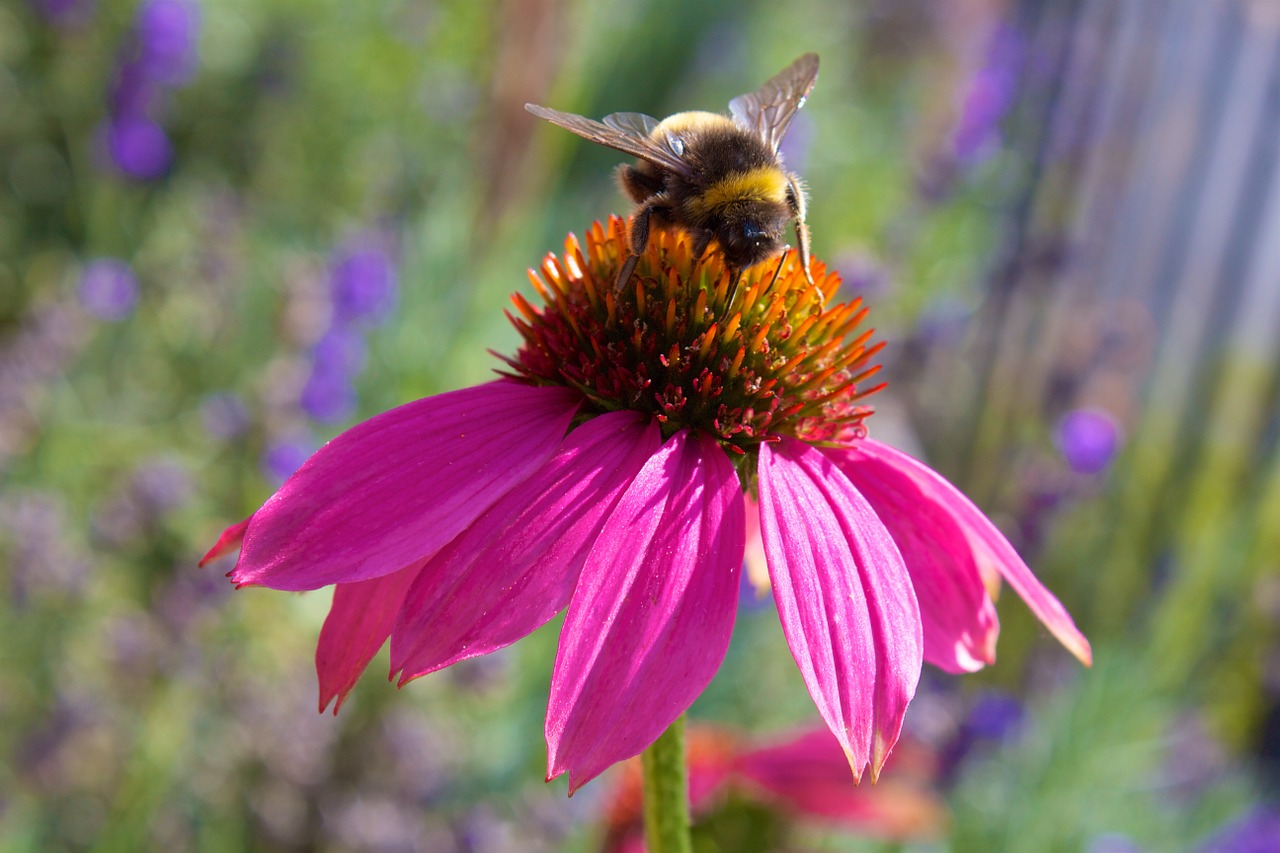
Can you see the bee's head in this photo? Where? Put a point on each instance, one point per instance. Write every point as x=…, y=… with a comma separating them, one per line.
x=752, y=233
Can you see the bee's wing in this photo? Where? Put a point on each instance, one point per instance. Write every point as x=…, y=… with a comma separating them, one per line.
x=642, y=125
x=626, y=132
x=634, y=123
x=768, y=111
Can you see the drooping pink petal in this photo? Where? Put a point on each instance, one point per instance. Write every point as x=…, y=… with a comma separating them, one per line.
x=227, y=542
x=516, y=566
x=809, y=774
x=396, y=488
x=358, y=623
x=960, y=623
x=988, y=543
x=844, y=597
x=652, y=614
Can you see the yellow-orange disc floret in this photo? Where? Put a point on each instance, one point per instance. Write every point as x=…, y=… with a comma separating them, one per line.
x=768, y=359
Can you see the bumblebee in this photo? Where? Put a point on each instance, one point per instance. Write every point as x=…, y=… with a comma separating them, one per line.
x=715, y=176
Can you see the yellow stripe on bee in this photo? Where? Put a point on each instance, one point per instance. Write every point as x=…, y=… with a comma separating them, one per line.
x=765, y=183
x=693, y=120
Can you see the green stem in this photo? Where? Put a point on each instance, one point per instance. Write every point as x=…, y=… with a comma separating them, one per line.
x=666, y=793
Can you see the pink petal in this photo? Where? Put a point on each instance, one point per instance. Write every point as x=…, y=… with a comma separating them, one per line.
x=810, y=774
x=960, y=623
x=988, y=543
x=844, y=597
x=227, y=542
x=359, y=622
x=396, y=488
x=516, y=566
x=651, y=618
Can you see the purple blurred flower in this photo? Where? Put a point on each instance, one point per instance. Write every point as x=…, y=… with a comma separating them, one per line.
x=752, y=598
x=1258, y=831
x=340, y=351
x=108, y=289
x=328, y=395
x=65, y=14
x=35, y=547
x=943, y=323
x=166, y=32
x=139, y=147
x=994, y=716
x=187, y=596
x=1088, y=439
x=224, y=416
x=133, y=92
x=363, y=285
x=161, y=52
x=284, y=457
x=798, y=142
x=989, y=96
x=1113, y=842
x=161, y=485
x=861, y=274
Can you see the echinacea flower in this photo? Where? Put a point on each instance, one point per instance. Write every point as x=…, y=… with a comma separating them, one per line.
x=605, y=472
x=801, y=777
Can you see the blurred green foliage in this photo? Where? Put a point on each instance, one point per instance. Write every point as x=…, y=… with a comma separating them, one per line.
x=144, y=705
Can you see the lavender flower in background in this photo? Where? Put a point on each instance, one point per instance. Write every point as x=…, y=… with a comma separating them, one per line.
x=340, y=350
x=65, y=14
x=1258, y=831
x=362, y=284
x=108, y=289
x=1113, y=842
x=1088, y=440
x=156, y=488
x=798, y=142
x=329, y=395
x=224, y=416
x=139, y=148
x=992, y=718
x=166, y=32
x=989, y=95
x=285, y=456
x=133, y=93
x=751, y=598
x=159, y=54
x=362, y=289
x=45, y=757
x=37, y=550
x=861, y=274
x=161, y=485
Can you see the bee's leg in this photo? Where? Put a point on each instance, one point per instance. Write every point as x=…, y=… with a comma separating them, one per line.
x=628, y=267
x=777, y=271
x=795, y=198
x=637, y=183
x=639, y=236
x=700, y=244
x=735, y=275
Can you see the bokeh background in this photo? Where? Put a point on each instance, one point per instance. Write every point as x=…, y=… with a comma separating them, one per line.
x=231, y=228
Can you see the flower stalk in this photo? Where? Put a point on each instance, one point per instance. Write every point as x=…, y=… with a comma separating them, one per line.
x=666, y=792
